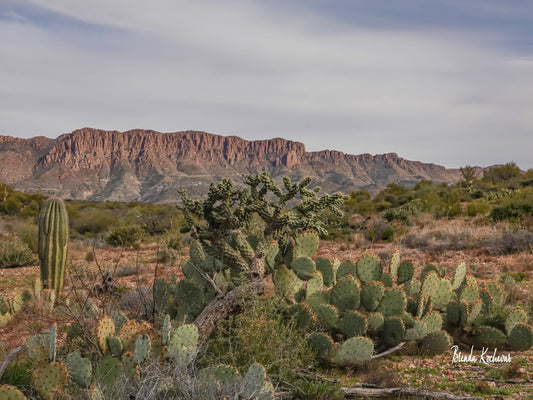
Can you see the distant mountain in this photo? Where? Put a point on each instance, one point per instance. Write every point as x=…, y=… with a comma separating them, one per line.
x=144, y=165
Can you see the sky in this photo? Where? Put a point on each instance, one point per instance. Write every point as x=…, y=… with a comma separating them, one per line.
x=442, y=81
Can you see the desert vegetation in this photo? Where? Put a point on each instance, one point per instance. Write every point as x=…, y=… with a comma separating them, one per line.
x=260, y=291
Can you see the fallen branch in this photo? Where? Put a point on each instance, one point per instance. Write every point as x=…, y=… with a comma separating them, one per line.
x=9, y=359
x=388, y=351
x=354, y=393
x=222, y=307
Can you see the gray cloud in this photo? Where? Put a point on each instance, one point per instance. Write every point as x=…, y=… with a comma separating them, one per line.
x=448, y=96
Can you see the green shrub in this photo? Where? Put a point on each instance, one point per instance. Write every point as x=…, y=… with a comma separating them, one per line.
x=502, y=173
x=478, y=207
x=91, y=220
x=28, y=233
x=124, y=235
x=15, y=253
x=398, y=214
x=261, y=333
x=454, y=210
x=18, y=374
x=379, y=229
x=310, y=390
x=512, y=210
x=10, y=206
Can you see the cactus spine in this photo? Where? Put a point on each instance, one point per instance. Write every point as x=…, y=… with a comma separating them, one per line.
x=53, y=243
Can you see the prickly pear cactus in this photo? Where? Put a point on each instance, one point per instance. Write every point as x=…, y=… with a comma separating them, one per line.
x=521, y=337
x=253, y=380
x=182, y=345
x=79, y=368
x=353, y=323
x=11, y=393
x=104, y=329
x=322, y=343
x=142, y=349
x=47, y=377
x=114, y=344
x=346, y=294
x=371, y=295
x=108, y=371
x=165, y=330
x=52, y=339
x=354, y=351
x=306, y=244
x=369, y=268
x=515, y=316
x=435, y=343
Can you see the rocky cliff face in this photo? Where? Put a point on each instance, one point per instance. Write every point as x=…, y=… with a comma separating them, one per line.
x=145, y=165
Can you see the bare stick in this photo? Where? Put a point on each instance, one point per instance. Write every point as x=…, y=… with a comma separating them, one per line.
x=394, y=349
x=10, y=357
x=365, y=393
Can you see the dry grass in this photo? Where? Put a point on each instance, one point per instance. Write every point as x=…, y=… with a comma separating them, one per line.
x=466, y=234
x=458, y=234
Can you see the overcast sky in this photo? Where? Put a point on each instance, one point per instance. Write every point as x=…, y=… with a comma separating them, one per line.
x=443, y=81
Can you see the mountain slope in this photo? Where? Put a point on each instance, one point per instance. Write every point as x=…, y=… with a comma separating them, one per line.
x=145, y=165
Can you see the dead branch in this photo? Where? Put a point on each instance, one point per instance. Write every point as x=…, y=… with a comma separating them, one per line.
x=9, y=358
x=223, y=306
x=354, y=393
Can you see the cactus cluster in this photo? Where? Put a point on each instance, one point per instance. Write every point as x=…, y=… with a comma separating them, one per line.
x=363, y=304
x=475, y=311
x=123, y=352
x=53, y=243
x=9, y=306
x=254, y=385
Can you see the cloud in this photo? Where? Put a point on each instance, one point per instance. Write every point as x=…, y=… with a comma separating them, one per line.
x=259, y=70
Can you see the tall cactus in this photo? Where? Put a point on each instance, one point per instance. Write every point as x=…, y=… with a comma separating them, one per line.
x=53, y=243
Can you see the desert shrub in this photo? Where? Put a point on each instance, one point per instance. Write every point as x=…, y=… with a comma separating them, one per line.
x=91, y=220
x=502, y=173
x=397, y=215
x=512, y=210
x=89, y=256
x=510, y=242
x=261, y=333
x=168, y=255
x=395, y=195
x=15, y=253
x=28, y=233
x=10, y=206
x=379, y=229
x=359, y=202
x=454, y=210
x=124, y=235
x=137, y=300
x=18, y=374
x=453, y=235
x=125, y=270
x=31, y=210
x=478, y=207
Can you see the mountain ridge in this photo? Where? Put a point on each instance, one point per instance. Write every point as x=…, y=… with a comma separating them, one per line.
x=146, y=165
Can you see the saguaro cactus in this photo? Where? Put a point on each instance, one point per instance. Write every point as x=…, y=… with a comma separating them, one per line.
x=53, y=243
